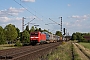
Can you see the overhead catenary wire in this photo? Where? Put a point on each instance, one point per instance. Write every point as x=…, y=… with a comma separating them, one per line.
x=25, y=8
x=33, y=10
x=36, y=12
x=28, y=11
x=41, y=15
x=53, y=21
x=29, y=21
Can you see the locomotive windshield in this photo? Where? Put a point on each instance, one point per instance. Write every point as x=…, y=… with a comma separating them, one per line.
x=34, y=35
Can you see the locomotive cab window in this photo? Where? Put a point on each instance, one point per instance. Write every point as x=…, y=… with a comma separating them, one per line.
x=34, y=35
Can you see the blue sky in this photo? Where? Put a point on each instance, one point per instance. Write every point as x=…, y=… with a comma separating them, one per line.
x=75, y=14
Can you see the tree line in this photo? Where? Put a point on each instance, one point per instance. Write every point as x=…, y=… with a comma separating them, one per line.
x=80, y=37
x=11, y=34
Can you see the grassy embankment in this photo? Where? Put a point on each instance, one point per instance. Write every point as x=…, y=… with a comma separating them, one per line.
x=62, y=52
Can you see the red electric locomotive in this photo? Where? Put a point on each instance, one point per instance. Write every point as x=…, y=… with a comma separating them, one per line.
x=37, y=37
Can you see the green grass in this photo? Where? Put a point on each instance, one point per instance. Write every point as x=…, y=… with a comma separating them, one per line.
x=62, y=52
x=6, y=46
x=86, y=45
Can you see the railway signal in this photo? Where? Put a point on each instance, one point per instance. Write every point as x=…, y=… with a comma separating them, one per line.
x=64, y=31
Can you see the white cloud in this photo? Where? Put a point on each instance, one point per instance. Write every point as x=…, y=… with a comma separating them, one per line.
x=68, y=5
x=4, y=19
x=4, y=14
x=28, y=0
x=32, y=17
x=7, y=19
x=77, y=17
x=18, y=18
x=78, y=23
x=11, y=11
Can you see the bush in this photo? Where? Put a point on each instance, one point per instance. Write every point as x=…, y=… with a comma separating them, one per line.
x=26, y=44
x=18, y=43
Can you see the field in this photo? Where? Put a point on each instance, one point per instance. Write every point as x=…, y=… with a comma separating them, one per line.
x=86, y=45
x=6, y=46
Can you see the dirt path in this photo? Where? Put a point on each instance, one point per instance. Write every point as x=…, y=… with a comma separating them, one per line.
x=80, y=53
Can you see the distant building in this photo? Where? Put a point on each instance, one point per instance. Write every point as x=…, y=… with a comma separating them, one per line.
x=87, y=38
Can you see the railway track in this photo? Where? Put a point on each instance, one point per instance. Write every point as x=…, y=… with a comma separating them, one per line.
x=29, y=52
x=84, y=55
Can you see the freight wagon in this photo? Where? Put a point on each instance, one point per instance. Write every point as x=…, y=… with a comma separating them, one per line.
x=53, y=38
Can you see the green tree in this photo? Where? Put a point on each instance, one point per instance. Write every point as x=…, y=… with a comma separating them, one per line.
x=40, y=29
x=2, y=36
x=46, y=31
x=58, y=33
x=27, y=28
x=78, y=36
x=26, y=37
x=32, y=29
x=10, y=32
x=18, y=32
x=74, y=37
x=36, y=29
x=21, y=36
